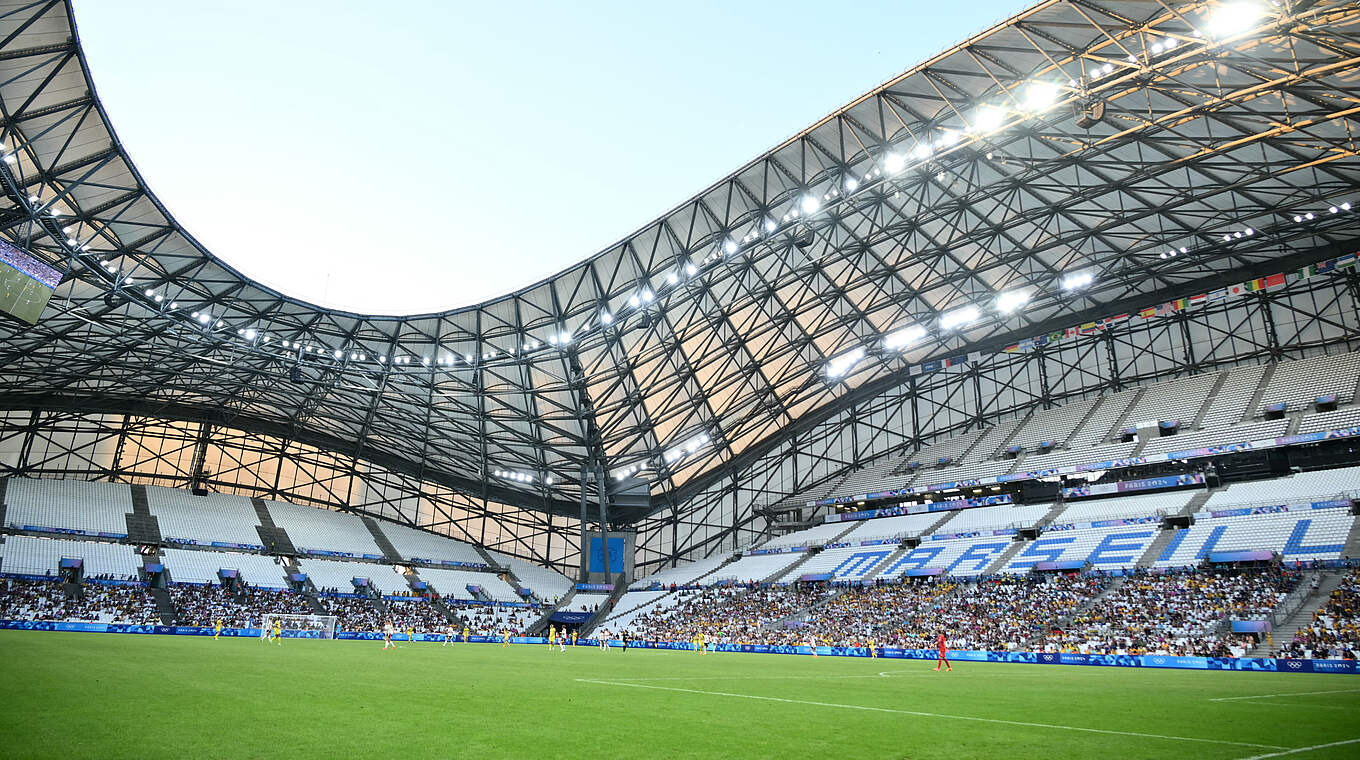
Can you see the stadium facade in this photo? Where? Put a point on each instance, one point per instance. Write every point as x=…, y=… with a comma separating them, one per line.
x=1082, y=199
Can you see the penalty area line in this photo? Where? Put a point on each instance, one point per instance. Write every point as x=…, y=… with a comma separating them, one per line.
x=1301, y=750
x=934, y=715
x=1289, y=694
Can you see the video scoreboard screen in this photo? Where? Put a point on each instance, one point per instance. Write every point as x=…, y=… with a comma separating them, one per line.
x=26, y=284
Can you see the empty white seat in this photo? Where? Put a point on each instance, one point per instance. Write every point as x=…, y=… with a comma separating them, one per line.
x=29, y=555
x=92, y=508
x=225, y=518
x=188, y=566
x=326, y=530
x=452, y=584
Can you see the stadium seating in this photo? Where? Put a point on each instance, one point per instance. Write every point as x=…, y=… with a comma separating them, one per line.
x=452, y=584
x=489, y=620
x=1054, y=425
x=1335, y=628
x=189, y=566
x=41, y=556
x=93, y=508
x=1302, y=487
x=877, y=476
x=817, y=535
x=324, y=530
x=416, y=613
x=325, y=573
x=1298, y=383
x=755, y=567
x=1110, y=548
x=545, y=583
x=1306, y=535
x=990, y=441
x=850, y=563
x=1229, y=405
x=1247, y=431
x=952, y=448
x=418, y=544
x=1122, y=507
x=24, y=599
x=684, y=574
x=1174, y=400
x=203, y=519
x=899, y=526
x=964, y=472
x=960, y=557
x=1337, y=420
x=586, y=603
x=1101, y=423
x=1086, y=454
x=1005, y=516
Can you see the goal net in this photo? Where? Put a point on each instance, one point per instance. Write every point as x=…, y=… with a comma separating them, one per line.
x=306, y=626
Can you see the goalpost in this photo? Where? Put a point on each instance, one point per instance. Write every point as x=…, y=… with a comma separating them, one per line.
x=306, y=626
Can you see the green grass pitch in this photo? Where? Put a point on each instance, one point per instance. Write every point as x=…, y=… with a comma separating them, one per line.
x=75, y=695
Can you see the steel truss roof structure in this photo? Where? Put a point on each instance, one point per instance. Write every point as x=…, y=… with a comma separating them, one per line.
x=701, y=343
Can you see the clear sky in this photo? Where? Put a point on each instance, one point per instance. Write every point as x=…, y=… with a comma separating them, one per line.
x=416, y=156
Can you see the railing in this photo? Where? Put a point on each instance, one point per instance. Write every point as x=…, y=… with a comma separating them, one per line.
x=1352, y=494
x=1294, y=601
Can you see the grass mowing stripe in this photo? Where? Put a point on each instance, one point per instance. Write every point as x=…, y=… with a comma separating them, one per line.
x=1290, y=694
x=1301, y=750
x=933, y=715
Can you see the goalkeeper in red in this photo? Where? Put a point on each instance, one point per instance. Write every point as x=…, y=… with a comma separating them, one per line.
x=944, y=649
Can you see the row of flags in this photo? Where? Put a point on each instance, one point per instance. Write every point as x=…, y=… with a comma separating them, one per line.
x=1182, y=304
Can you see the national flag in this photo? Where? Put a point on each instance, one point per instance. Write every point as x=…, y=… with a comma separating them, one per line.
x=1198, y=300
x=1148, y=313
x=1088, y=328
x=1304, y=273
x=1116, y=319
x=1257, y=284
x=1239, y=289
x=1345, y=262
x=1218, y=295
x=1012, y=348
x=1179, y=304
x=1055, y=336
x=1274, y=280
x=1324, y=267
x=1071, y=332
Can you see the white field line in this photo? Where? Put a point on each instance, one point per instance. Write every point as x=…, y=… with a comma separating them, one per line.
x=1289, y=694
x=930, y=715
x=1301, y=750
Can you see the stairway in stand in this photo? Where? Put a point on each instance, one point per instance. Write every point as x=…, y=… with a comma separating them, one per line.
x=389, y=551
x=164, y=606
x=1302, y=617
x=274, y=538
x=142, y=527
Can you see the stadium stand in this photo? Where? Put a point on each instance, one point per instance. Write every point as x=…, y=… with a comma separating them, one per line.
x=494, y=620
x=68, y=505
x=1247, y=431
x=416, y=613
x=1010, y=516
x=423, y=545
x=898, y=526
x=1299, y=382
x=817, y=535
x=1053, y=425
x=723, y=615
x=1337, y=420
x=190, y=566
x=204, y=605
x=586, y=603
x=452, y=584
x=354, y=613
x=324, y=530
x=1177, y=400
x=545, y=583
x=1102, y=422
x=1334, y=630
x=1302, y=487
x=28, y=599
x=682, y=575
x=185, y=518
x=339, y=576
x=849, y=563
x=1120, y=507
x=1306, y=535
x=947, y=449
x=997, y=613
x=1109, y=548
x=754, y=568
x=1229, y=404
x=41, y=556
x=1086, y=454
x=1173, y=613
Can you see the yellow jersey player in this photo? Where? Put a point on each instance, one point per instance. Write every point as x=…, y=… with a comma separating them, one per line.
x=703, y=644
x=410, y=635
x=505, y=642
x=465, y=634
x=278, y=632
x=552, y=636
x=573, y=638
x=217, y=628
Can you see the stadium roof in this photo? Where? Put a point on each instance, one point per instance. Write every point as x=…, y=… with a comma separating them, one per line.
x=758, y=307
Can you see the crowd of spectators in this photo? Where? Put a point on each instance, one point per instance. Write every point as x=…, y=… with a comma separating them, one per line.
x=863, y=615
x=1334, y=632
x=725, y=615
x=485, y=620
x=416, y=613
x=997, y=613
x=353, y=613
x=1175, y=613
x=204, y=605
x=24, y=599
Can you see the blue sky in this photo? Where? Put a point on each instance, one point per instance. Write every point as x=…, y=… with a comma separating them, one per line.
x=409, y=157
